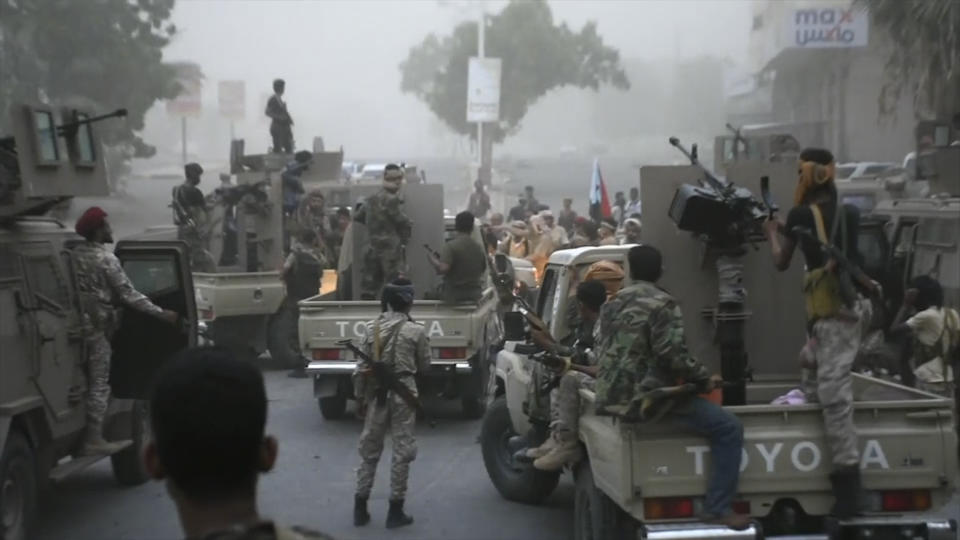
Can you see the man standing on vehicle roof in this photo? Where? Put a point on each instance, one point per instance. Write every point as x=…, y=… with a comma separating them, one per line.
x=395, y=340
x=388, y=230
x=191, y=216
x=835, y=322
x=642, y=347
x=103, y=288
x=281, y=124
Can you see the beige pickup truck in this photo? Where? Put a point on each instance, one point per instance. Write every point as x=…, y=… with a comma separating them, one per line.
x=649, y=480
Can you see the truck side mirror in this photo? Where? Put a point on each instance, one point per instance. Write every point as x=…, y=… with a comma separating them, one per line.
x=514, y=327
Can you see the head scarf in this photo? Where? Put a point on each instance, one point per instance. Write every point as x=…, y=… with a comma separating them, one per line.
x=90, y=221
x=817, y=168
x=403, y=290
x=607, y=272
x=518, y=228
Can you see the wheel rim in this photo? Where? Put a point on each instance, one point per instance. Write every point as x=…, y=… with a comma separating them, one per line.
x=13, y=503
x=503, y=455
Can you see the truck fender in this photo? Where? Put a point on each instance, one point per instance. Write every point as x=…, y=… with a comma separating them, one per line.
x=325, y=386
x=512, y=377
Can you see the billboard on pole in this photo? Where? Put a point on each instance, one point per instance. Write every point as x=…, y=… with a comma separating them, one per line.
x=483, y=90
x=189, y=102
x=232, y=99
x=827, y=26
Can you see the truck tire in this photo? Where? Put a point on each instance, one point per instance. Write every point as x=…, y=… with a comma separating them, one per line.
x=515, y=481
x=333, y=407
x=18, y=488
x=473, y=407
x=595, y=516
x=128, y=466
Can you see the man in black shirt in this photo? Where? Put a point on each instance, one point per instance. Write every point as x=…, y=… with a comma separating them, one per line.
x=835, y=320
x=281, y=124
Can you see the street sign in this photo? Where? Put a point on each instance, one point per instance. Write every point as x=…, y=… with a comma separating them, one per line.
x=828, y=26
x=232, y=99
x=483, y=90
x=189, y=102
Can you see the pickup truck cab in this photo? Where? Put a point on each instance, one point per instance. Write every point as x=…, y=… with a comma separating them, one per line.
x=647, y=480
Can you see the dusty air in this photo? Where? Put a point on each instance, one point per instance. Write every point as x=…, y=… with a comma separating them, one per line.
x=477, y=269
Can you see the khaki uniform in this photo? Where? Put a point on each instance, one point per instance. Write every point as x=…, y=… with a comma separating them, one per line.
x=102, y=287
x=406, y=349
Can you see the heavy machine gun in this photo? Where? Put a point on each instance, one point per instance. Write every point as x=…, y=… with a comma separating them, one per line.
x=727, y=215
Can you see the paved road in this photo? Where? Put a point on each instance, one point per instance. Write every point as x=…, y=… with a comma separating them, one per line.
x=450, y=495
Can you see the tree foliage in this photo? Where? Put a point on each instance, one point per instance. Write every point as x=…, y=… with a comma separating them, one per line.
x=924, y=56
x=102, y=54
x=537, y=56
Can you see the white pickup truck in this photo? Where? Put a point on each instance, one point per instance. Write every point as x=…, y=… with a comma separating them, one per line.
x=648, y=480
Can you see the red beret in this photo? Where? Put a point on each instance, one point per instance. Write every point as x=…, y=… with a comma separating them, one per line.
x=90, y=221
x=580, y=220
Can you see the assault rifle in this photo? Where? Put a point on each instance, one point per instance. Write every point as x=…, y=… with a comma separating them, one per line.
x=830, y=251
x=389, y=382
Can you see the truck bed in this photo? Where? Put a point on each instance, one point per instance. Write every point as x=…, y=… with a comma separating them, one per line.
x=905, y=436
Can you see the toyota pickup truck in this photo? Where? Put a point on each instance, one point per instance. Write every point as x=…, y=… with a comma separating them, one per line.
x=647, y=480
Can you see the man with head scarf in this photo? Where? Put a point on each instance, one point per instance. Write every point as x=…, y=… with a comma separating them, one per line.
x=516, y=244
x=388, y=230
x=192, y=218
x=835, y=321
x=631, y=231
x=558, y=235
x=395, y=340
x=103, y=289
x=608, y=233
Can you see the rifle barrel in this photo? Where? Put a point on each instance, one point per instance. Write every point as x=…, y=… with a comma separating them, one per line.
x=70, y=126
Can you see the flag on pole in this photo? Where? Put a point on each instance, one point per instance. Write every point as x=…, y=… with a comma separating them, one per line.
x=599, y=201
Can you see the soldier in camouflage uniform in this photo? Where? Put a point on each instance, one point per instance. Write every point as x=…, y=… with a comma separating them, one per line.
x=208, y=413
x=642, y=347
x=394, y=339
x=310, y=214
x=833, y=335
x=388, y=229
x=103, y=288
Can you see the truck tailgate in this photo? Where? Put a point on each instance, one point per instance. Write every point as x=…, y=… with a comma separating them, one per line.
x=233, y=294
x=905, y=444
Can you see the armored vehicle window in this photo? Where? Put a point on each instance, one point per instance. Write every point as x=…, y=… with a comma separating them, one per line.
x=47, y=150
x=45, y=280
x=153, y=276
x=86, y=155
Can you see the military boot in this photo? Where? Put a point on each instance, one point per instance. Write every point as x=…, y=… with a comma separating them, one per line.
x=360, y=514
x=567, y=451
x=847, y=491
x=543, y=449
x=95, y=445
x=396, y=517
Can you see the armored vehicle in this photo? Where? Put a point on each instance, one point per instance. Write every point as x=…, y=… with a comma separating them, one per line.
x=52, y=155
x=647, y=480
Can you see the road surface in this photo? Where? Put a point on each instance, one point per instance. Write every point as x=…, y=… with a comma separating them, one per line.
x=450, y=495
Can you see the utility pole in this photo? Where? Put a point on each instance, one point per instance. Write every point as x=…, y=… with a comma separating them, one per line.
x=483, y=149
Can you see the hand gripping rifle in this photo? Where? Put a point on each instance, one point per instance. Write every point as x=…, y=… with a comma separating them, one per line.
x=829, y=250
x=388, y=381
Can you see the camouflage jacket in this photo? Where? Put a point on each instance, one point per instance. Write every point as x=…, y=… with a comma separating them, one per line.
x=387, y=223
x=641, y=347
x=408, y=353
x=266, y=530
x=103, y=287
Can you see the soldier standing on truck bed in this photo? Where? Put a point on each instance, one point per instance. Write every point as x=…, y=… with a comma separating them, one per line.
x=388, y=229
x=191, y=217
x=835, y=323
x=103, y=287
x=395, y=340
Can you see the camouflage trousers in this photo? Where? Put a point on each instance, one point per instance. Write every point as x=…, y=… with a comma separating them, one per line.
x=98, y=380
x=399, y=419
x=567, y=399
x=832, y=346
x=380, y=266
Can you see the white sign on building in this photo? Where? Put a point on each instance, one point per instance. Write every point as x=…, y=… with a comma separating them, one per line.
x=827, y=27
x=483, y=90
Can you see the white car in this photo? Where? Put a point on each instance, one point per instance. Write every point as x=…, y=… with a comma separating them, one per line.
x=863, y=169
x=371, y=172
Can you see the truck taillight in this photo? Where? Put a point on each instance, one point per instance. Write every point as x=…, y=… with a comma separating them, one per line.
x=206, y=314
x=451, y=353
x=668, y=508
x=326, y=354
x=909, y=500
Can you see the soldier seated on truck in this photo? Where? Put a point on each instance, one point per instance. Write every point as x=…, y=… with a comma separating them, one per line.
x=642, y=345
x=208, y=413
x=461, y=262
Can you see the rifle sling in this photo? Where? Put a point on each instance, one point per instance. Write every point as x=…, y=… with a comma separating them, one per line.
x=383, y=389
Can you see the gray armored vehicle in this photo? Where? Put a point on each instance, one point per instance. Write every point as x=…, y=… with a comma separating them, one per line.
x=52, y=155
